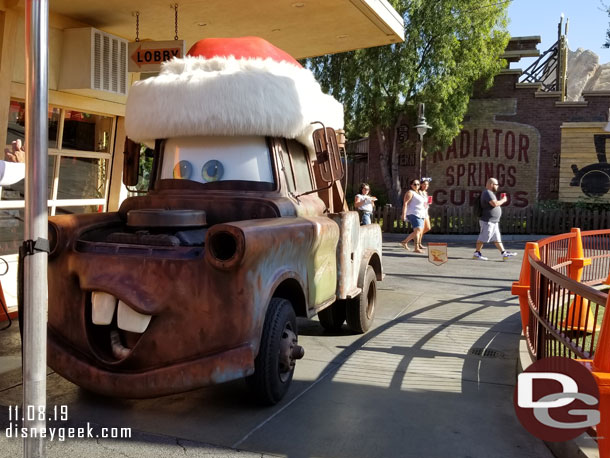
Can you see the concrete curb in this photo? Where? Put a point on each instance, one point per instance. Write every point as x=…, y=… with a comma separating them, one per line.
x=581, y=447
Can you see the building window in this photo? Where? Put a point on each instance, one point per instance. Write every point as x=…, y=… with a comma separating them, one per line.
x=78, y=168
x=16, y=123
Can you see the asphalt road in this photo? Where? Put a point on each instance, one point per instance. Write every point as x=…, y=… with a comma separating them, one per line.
x=433, y=378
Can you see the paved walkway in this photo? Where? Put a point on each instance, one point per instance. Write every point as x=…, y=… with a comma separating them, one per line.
x=433, y=378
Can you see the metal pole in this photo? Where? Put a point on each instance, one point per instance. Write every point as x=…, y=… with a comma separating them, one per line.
x=421, y=151
x=36, y=221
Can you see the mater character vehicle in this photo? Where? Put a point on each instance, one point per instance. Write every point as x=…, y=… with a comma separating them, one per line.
x=244, y=228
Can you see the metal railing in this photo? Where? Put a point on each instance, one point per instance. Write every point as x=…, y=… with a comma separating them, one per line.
x=544, y=70
x=596, y=245
x=564, y=317
x=562, y=314
x=563, y=310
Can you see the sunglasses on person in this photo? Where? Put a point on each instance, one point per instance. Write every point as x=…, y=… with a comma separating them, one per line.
x=415, y=184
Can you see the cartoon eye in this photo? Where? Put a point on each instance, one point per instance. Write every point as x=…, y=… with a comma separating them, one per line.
x=183, y=170
x=212, y=170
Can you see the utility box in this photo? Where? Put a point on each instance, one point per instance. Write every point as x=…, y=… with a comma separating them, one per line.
x=93, y=59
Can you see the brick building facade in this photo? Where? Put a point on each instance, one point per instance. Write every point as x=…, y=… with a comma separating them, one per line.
x=513, y=132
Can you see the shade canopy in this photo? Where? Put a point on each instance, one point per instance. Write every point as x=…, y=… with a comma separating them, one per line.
x=302, y=28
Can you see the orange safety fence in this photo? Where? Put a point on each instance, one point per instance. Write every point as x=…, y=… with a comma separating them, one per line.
x=562, y=302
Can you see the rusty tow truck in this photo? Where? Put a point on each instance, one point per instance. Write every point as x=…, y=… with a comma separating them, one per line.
x=200, y=280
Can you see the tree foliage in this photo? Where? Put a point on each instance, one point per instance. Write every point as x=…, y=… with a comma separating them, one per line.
x=607, y=43
x=449, y=46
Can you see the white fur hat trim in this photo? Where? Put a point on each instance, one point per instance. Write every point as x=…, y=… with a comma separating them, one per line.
x=227, y=96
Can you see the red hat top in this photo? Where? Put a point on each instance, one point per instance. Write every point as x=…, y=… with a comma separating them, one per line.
x=240, y=48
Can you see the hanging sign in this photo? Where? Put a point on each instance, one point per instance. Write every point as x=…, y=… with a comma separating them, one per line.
x=147, y=56
x=437, y=253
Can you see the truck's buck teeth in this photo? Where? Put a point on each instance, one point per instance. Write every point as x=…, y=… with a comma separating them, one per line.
x=130, y=320
x=104, y=305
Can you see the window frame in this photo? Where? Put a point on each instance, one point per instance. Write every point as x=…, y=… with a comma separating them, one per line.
x=59, y=152
x=290, y=149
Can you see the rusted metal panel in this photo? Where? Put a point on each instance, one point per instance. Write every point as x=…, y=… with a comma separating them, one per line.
x=182, y=376
x=354, y=242
x=214, y=309
x=349, y=222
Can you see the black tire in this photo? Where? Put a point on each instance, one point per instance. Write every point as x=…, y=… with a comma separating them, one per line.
x=333, y=317
x=361, y=310
x=271, y=378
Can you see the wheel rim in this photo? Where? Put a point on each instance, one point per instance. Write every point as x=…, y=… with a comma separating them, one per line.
x=286, y=362
x=370, y=298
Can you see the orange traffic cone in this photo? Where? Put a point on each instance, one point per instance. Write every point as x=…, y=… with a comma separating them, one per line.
x=579, y=317
x=521, y=288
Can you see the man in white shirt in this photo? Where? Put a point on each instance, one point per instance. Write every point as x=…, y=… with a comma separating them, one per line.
x=12, y=169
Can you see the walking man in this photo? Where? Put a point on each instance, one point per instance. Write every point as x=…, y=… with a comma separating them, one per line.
x=489, y=221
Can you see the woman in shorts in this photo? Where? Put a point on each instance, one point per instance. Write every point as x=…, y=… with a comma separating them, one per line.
x=423, y=190
x=414, y=209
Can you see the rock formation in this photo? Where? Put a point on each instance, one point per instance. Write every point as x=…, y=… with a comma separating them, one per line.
x=585, y=74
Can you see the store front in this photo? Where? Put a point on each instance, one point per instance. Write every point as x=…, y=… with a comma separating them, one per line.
x=80, y=146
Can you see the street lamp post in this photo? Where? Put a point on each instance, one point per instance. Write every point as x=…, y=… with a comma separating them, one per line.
x=422, y=127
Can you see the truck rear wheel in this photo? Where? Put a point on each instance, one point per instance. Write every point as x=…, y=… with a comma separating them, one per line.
x=278, y=352
x=361, y=310
x=333, y=317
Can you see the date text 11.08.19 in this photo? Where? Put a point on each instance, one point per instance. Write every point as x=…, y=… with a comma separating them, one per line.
x=32, y=413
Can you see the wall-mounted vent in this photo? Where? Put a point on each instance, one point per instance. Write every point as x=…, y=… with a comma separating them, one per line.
x=93, y=59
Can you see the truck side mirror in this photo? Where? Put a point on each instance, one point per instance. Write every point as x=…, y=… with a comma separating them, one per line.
x=131, y=163
x=327, y=154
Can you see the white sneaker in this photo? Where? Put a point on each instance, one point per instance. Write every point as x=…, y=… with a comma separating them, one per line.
x=477, y=255
x=508, y=254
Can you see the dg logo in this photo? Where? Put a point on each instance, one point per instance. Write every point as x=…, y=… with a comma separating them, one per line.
x=556, y=399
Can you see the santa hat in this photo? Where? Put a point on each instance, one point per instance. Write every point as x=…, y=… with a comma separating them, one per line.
x=230, y=86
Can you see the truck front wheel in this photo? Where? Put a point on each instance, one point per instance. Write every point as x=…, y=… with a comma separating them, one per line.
x=361, y=310
x=278, y=352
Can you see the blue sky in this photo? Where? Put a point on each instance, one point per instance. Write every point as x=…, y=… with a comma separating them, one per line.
x=587, y=28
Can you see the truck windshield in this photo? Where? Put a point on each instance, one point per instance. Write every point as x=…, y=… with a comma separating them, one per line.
x=214, y=159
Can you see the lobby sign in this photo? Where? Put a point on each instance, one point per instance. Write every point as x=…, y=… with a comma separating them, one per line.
x=147, y=56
